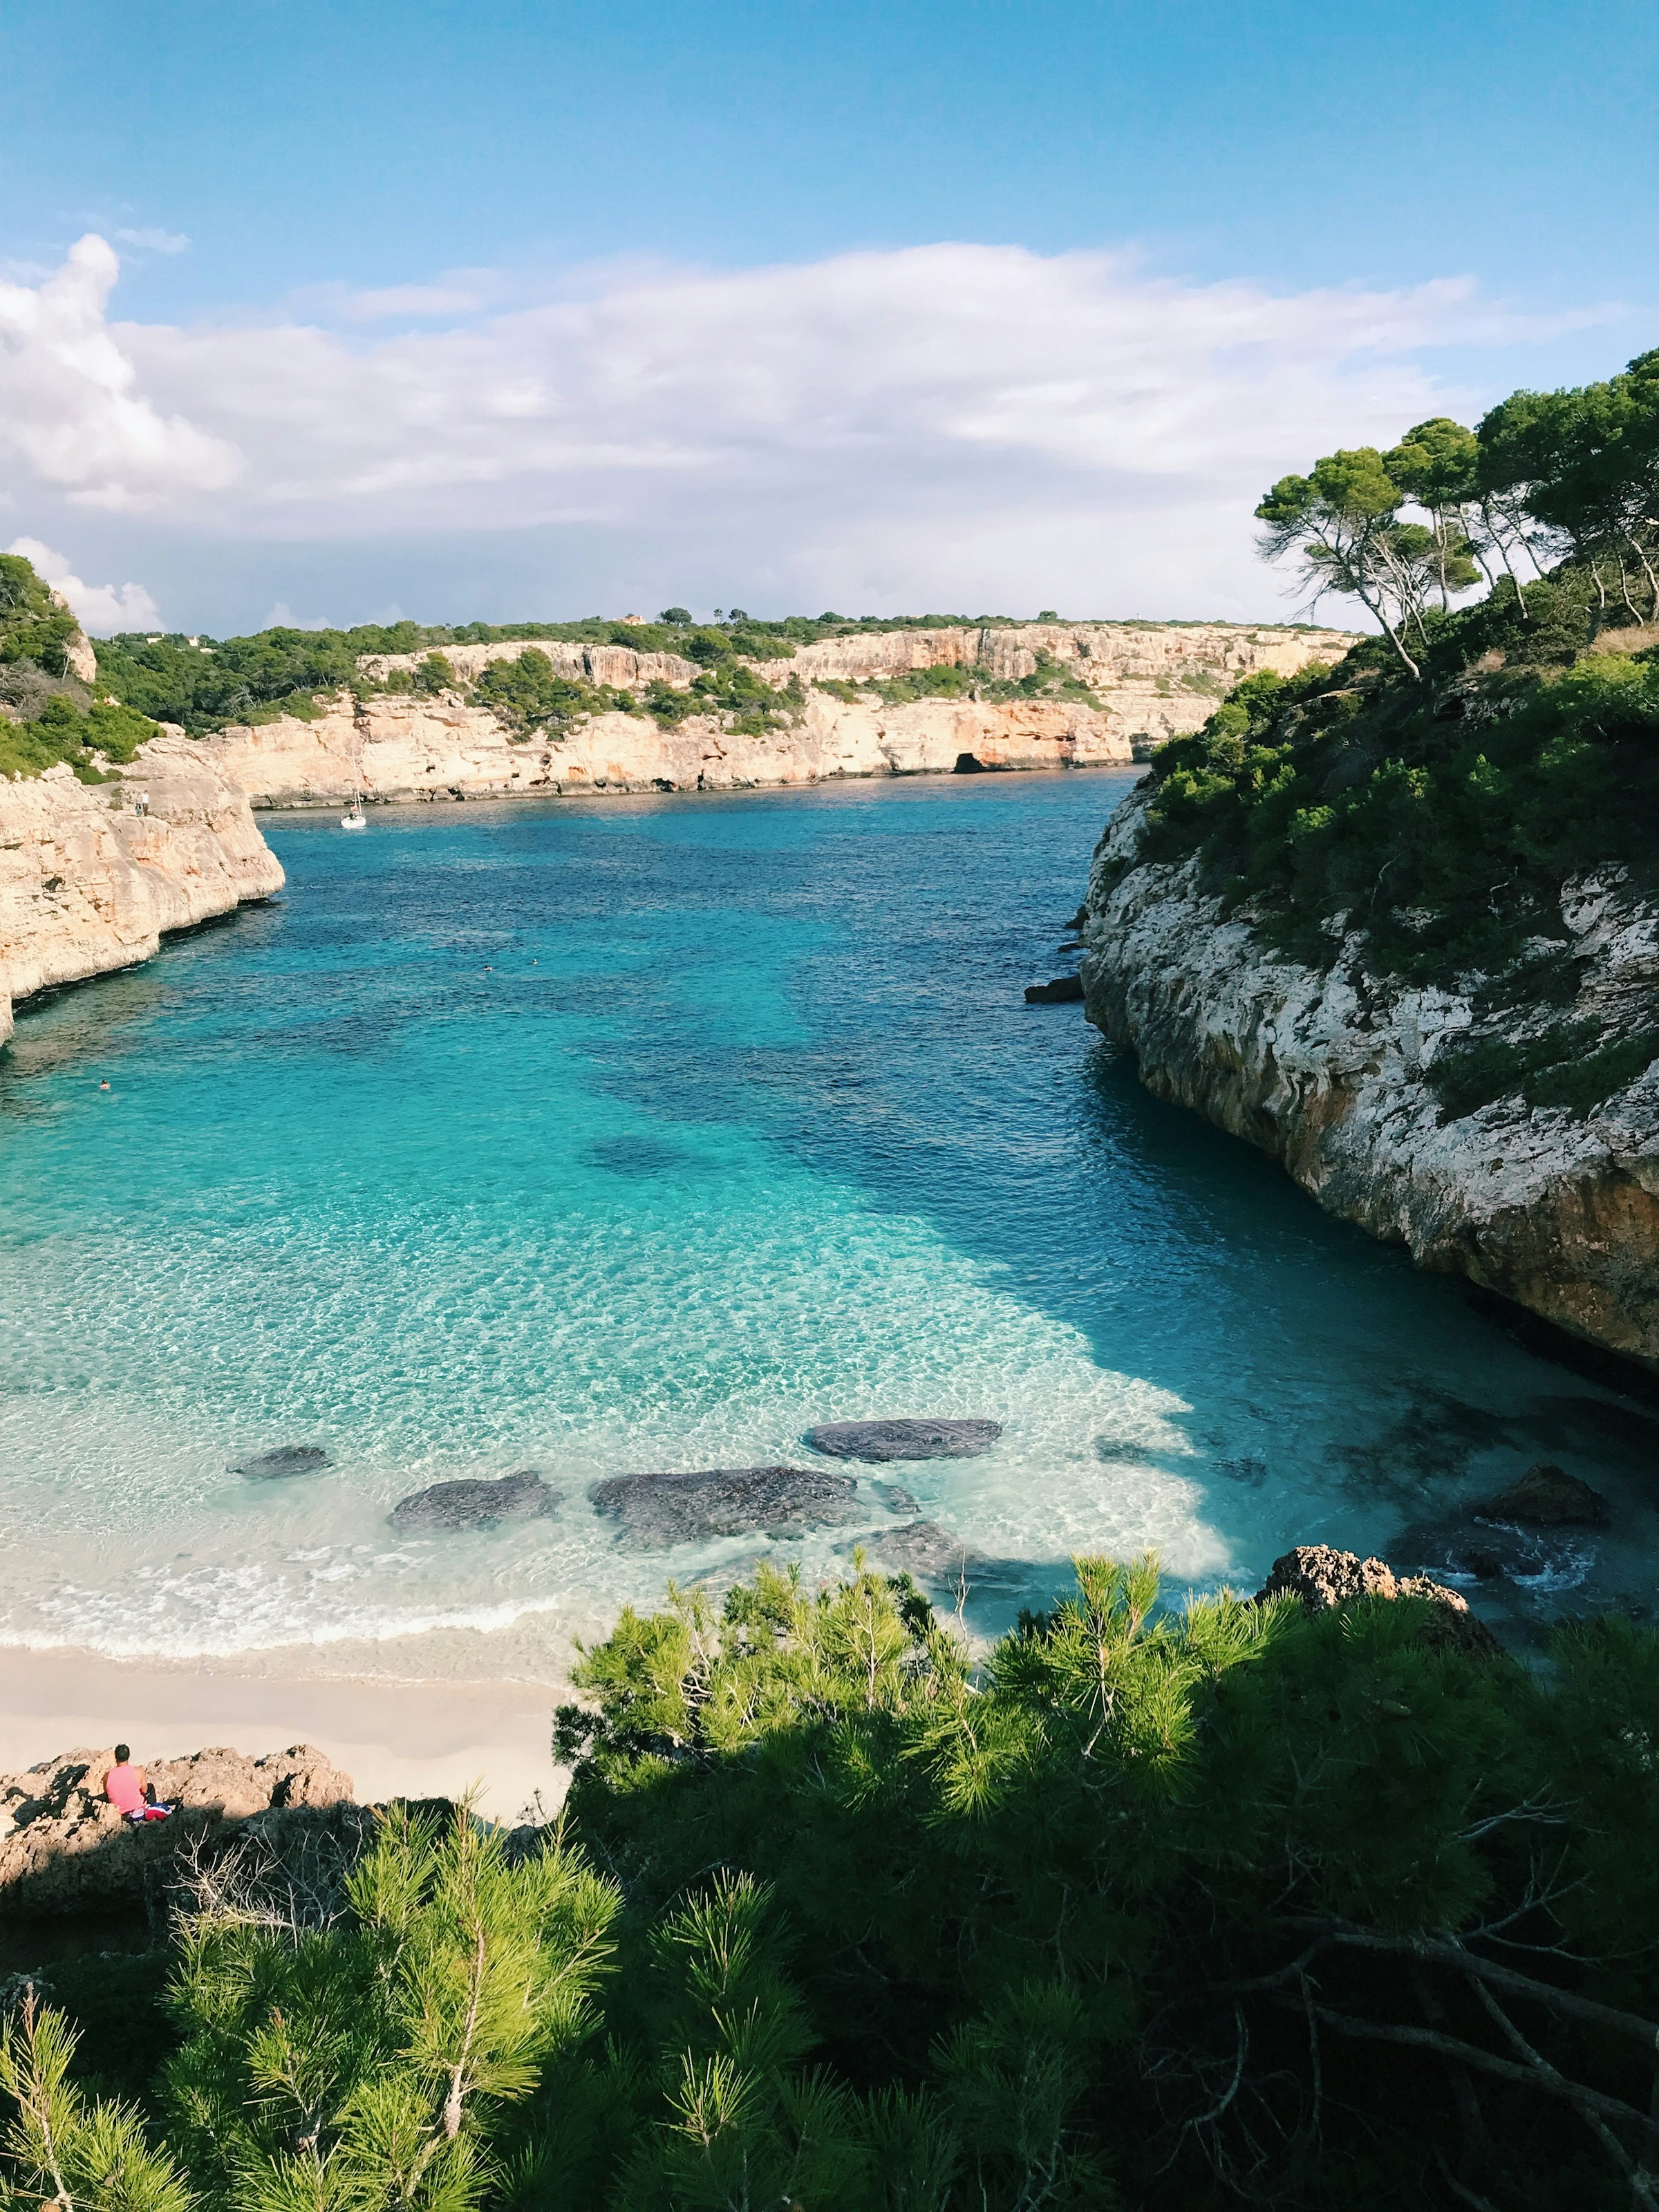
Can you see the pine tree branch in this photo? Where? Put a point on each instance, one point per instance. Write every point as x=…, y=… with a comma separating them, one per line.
x=1439, y=1952
x=1539, y=2076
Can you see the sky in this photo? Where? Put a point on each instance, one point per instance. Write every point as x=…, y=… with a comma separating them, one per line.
x=508, y=311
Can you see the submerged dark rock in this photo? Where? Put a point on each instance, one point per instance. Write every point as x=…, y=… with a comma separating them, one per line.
x=896, y=1498
x=1064, y=991
x=658, y=1510
x=904, y=1440
x=285, y=1459
x=934, y=1555
x=475, y=1504
x=1547, y=1497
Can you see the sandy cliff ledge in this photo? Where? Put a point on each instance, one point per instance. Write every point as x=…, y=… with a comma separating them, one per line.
x=87, y=883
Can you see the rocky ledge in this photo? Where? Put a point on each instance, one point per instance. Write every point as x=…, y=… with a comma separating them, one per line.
x=1330, y=1071
x=93, y=876
x=63, y=1847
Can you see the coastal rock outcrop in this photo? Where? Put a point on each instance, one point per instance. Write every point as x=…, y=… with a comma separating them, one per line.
x=63, y=1846
x=904, y=1439
x=93, y=876
x=1330, y=1070
x=1323, y=1578
x=660, y=1509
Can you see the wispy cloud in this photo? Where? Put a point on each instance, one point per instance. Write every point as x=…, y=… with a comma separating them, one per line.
x=959, y=424
x=155, y=241
x=98, y=608
x=418, y=302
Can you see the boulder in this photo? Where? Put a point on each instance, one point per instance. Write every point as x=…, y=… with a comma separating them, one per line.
x=1063, y=991
x=904, y=1440
x=1324, y=1578
x=63, y=1846
x=285, y=1459
x=1547, y=1497
x=658, y=1510
x=475, y=1504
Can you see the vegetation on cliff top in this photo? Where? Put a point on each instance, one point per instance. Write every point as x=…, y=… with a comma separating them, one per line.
x=46, y=714
x=1439, y=788
x=1236, y=1904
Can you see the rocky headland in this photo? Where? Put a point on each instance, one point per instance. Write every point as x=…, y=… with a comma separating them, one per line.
x=94, y=876
x=1331, y=1069
x=1400, y=928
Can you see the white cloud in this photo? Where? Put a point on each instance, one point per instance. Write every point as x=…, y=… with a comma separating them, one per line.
x=98, y=608
x=954, y=424
x=155, y=241
x=69, y=410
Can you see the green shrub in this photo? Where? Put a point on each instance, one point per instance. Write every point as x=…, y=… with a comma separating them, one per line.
x=528, y=695
x=1443, y=824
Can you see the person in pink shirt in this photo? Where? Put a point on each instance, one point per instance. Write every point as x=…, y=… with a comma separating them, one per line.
x=127, y=1790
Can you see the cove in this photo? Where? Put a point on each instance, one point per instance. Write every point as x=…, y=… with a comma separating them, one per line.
x=631, y=1135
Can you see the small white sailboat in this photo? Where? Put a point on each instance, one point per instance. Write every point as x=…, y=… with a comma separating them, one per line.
x=354, y=818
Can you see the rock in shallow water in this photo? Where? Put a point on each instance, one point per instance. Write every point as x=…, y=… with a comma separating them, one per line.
x=885, y=1440
x=1547, y=1497
x=286, y=1459
x=475, y=1504
x=658, y=1510
x=1064, y=991
x=934, y=1555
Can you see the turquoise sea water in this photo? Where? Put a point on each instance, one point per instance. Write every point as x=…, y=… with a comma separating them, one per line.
x=640, y=1134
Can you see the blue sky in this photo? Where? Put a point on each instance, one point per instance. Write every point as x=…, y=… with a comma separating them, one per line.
x=420, y=203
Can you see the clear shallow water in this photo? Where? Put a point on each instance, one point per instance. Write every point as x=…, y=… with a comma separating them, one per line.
x=638, y=1134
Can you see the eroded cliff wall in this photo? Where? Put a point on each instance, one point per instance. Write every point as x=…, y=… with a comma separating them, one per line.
x=1328, y=1071
x=1145, y=684
x=88, y=883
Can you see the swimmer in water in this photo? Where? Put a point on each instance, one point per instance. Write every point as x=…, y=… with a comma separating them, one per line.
x=103, y=1086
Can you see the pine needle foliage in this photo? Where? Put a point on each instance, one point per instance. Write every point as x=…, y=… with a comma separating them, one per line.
x=58, y=2149
x=360, y=2064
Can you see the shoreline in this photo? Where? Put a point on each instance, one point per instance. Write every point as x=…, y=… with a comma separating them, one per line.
x=395, y=1738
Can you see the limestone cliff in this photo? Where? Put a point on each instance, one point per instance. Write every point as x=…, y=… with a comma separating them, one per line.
x=88, y=883
x=1328, y=1070
x=1130, y=686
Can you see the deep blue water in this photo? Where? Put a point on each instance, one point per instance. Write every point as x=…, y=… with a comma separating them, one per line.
x=597, y=1136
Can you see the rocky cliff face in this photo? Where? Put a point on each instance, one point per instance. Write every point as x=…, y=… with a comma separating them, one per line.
x=1328, y=1070
x=88, y=883
x=1145, y=683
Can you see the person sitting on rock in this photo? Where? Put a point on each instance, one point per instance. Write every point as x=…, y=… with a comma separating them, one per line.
x=127, y=1790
